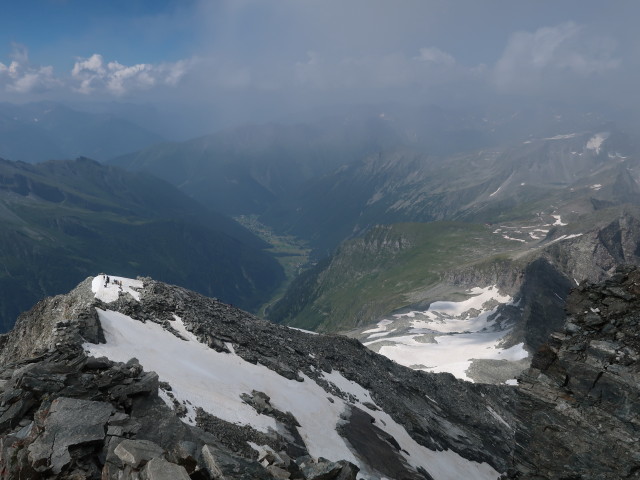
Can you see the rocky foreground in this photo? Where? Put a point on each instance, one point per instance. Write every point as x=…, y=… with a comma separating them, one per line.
x=331, y=409
x=578, y=407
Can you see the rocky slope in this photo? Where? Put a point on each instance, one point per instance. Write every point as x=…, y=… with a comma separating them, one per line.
x=277, y=403
x=232, y=397
x=580, y=400
x=574, y=173
x=388, y=288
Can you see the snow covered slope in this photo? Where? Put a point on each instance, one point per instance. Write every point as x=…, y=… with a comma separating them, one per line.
x=327, y=407
x=448, y=336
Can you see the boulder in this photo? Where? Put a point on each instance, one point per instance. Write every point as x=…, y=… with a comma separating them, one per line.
x=160, y=469
x=70, y=422
x=137, y=452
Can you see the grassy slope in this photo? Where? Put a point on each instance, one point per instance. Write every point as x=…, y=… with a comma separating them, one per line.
x=377, y=273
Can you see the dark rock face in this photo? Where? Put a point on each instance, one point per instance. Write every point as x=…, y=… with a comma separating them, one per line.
x=119, y=434
x=579, y=403
x=70, y=422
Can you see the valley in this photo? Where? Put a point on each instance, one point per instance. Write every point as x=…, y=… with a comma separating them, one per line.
x=64, y=219
x=373, y=232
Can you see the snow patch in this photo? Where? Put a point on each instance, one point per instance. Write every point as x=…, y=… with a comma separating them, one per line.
x=303, y=330
x=446, y=464
x=443, y=311
x=558, y=221
x=562, y=137
x=562, y=238
x=453, y=353
x=202, y=377
x=109, y=292
x=382, y=326
x=492, y=194
x=466, y=331
x=381, y=334
x=507, y=237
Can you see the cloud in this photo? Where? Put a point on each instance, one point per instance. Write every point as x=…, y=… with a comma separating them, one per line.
x=552, y=55
x=93, y=75
x=87, y=72
x=430, y=67
x=22, y=77
x=435, y=56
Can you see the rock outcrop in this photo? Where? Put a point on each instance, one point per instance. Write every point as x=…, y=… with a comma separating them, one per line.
x=578, y=408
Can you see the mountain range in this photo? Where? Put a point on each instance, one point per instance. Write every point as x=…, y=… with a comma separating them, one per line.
x=64, y=219
x=406, y=208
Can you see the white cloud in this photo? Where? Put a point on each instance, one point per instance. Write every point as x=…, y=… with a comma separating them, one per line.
x=22, y=77
x=88, y=71
x=91, y=75
x=34, y=80
x=550, y=54
x=435, y=55
x=174, y=72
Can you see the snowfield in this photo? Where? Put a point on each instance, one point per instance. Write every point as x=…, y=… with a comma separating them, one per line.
x=201, y=377
x=448, y=336
x=108, y=292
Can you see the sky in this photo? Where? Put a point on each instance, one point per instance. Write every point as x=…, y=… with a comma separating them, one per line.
x=241, y=60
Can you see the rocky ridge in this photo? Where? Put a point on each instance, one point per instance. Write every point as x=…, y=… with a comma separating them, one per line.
x=128, y=430
x=578, y=404
x=65, y=414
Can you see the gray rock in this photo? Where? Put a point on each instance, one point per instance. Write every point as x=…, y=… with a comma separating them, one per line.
x=594, y=320
x=137, y=452
x=211, y=458
x=585, y=423
x=146, y=385
x=278, y=473
x=322, y=470
x=348, y=471
x=12, y=416
x=160, y=469
x=70, y=422
x=268, y=456
x=185, y=453
x=222, y=465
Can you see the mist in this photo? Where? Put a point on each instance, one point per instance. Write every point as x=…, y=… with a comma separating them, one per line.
x=200, y=66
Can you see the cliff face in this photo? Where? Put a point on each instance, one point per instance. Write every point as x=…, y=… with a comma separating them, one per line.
x=37, y=331
x=579, y=403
